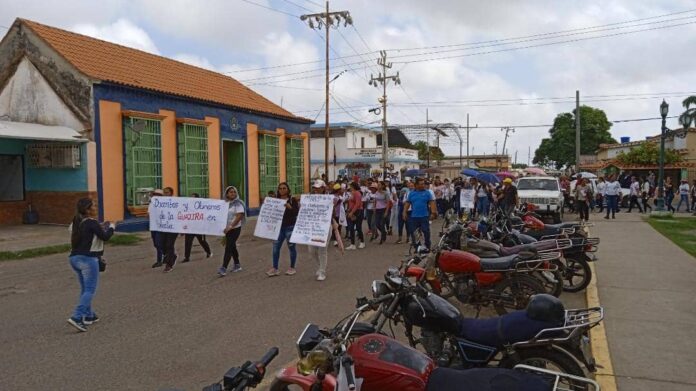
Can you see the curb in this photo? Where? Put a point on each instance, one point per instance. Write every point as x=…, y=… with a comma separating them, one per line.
x=598, y=340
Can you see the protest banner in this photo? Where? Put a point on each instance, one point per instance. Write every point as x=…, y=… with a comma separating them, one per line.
x=466, y=198
x=270, y=218
x=314, y=220
x=188, y=215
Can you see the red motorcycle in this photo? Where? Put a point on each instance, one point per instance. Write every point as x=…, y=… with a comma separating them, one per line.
x=349, y=358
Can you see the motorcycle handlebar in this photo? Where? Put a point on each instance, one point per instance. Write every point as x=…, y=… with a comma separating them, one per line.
x=269, y=356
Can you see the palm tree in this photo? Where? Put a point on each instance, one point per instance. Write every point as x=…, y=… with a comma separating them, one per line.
x=689, y=115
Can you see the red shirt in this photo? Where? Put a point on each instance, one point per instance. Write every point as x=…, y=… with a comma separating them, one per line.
x=355, y=202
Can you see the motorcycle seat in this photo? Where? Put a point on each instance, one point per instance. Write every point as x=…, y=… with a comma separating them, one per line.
x=483, y=245
x=510, y=328
x=485, y=379
x=557, y=227
x=500, y=263
x=521, y=248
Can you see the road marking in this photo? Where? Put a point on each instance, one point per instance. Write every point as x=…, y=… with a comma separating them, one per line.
x=598, y=338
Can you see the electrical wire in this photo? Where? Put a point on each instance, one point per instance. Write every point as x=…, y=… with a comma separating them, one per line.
x=314, y=2
x=270, y=8
x=298, y=5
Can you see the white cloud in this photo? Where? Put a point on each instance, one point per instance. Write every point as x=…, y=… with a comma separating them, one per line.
x=122, y=32
x=195, y=60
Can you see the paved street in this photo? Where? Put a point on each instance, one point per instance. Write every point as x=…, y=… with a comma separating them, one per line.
x=183, y=329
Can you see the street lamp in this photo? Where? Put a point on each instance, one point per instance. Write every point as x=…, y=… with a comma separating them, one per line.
x=666, y=132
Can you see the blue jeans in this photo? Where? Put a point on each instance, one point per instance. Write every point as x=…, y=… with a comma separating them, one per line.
x=684, y=198
x=157, y=242
x=379, y=225
x=285, y=233
x=87, y=270
x=424, y=224
x=612, y=204
x=482, y=206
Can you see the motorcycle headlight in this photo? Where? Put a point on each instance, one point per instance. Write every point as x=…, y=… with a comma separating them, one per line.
x=379, y=288
x=317, y=358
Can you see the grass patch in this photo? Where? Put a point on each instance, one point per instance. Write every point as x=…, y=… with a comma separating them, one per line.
x=116, y=240
x=680, y=230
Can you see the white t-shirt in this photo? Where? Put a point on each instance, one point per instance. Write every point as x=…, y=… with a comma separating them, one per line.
x=635, y=189
x=646, y=187
x=612, y=189
x=601, y=187
x=235, y=208
x=684, y=189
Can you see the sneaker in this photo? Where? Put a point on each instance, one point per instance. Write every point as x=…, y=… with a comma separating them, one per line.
x=291, y=272
x=335, y=243
x=398, y=241
x=90, y=319
x=236, y=268
x=78, y=324
x=351, y=247
x=168, y=268
x=222, y=271
x=186, y=260
x=208, y=255
x=157, y=264
x=271, y=272
x=321, y=277
x=361, y=245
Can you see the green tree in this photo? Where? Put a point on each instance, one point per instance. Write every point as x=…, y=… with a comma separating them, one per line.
x=689, y=115
x=436, y=153
x=558, y=150
x=648, y=154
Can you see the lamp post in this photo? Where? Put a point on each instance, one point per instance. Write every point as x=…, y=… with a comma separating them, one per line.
x=660, y=207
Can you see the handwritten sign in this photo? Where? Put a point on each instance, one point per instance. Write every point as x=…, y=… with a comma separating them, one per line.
x=466, y=198
x=270, y=218
x=314, y=220
x=187, y=215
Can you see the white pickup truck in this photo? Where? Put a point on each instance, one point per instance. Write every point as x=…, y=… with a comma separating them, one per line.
x=544, y=193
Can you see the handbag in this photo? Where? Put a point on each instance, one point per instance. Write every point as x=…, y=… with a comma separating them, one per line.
x=102, y=265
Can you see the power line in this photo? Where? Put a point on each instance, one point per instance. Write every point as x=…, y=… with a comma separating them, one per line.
x=271, y=9
x=298, y=5
x=479, y=42
x=315, y=3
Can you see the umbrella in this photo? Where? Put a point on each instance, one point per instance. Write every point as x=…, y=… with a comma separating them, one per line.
x=535, y=171
x=414, y=173
x=587, y=175
x=505, y=174
x=487, y=177
x=470, y=172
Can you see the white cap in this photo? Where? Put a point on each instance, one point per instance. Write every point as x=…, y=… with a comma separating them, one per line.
x=319, y=184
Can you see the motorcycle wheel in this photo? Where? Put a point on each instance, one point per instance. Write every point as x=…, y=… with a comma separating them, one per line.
x=279, y=385
x=554, y=288
x=551, y=359
x=576, y=273
x=513, y=293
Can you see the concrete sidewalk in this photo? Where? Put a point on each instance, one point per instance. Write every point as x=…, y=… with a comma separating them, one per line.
x=647, y=286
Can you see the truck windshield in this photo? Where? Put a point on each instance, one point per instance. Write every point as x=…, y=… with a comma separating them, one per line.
x=537, y=184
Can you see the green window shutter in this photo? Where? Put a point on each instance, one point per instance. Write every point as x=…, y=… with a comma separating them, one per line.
x=295, y=165
x=268, y=163
x=143, y=150
x=193, y=160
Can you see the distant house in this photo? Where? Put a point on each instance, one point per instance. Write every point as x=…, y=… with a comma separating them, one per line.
x=451, y=166
x=84, y=117
x=357, y=150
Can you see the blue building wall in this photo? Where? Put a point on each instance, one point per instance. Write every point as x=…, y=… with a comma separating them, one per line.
x=152, y=102
x=48, y=179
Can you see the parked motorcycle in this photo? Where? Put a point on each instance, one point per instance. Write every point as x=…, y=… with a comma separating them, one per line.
x=341, y=359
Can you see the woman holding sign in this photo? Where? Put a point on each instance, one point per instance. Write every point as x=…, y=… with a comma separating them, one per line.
x=289, y=218
x=235, y=219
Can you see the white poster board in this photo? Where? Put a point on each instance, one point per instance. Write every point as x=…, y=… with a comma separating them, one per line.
x=314, y=220
x=466, y=198
x=188, y=215
x=270, y=218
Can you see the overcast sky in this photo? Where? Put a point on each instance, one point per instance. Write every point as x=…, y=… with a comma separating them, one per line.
x=499, y=81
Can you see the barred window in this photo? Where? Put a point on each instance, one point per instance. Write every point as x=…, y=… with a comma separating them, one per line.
x=268, y=163
x=143, y=149
x=295, y=164
x=193, y=159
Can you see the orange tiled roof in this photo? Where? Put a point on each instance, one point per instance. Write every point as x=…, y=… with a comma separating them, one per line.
x=110, y=62
x=613, y=162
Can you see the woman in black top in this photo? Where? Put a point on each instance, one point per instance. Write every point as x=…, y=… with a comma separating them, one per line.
x=87, y=242
x=669, y=194
x=292, y=208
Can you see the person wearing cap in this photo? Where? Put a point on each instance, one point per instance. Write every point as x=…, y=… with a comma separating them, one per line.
x=683, y=195
x=320, y=254
x=507, y=199
x=157, y=236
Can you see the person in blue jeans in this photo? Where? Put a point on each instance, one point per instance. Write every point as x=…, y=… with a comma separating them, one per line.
x=292, y=208
x=87, y=239
x=421, y=202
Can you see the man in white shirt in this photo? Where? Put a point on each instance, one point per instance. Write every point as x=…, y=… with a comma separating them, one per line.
x=612, y=192
x=683, y=194
x=635, y=193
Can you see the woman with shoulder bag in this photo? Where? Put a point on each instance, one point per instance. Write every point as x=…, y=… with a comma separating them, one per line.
x=87, y=239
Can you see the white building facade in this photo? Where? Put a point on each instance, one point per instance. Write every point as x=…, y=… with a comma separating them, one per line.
x=355, y=150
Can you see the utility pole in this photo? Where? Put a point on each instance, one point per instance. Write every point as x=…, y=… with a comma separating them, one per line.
x=496, y=147
x=427, y=136
x=383, y=79
x=515, y=156
x=507, y=131
x=529, y=155
x=577, y=131
x=326, y=20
